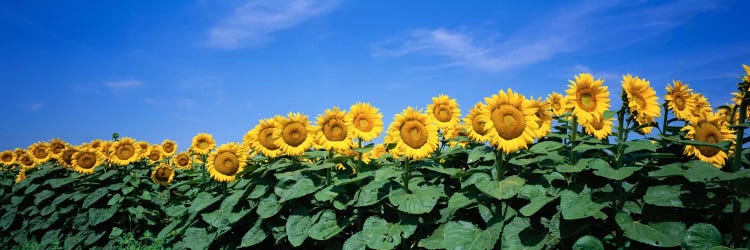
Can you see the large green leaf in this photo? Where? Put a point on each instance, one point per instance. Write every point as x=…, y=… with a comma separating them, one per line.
x=298, y=226
x=379, y=234
x=294, y=186
x=202, y=201
x=261, y=188
x=7, y=219
x=95, y=196
x=458, y=235
x=588, y=242
x=42, y=196
x=603, y=169
x=480, y=152
x=583, y=147
x=701, y=236
x=254, y=236
x=545, y=147
x=325, y=225
x=660, y=234
x=638, y=145
x=421, y=200
x=501, y=190
x=537, y=196
x=268, y=206
x=356, y=242
x=519, y=234
x=370, y=193
x=197, y=238
x=580, y=205
x=457, y=201
x=99, y=215
x=664, y=195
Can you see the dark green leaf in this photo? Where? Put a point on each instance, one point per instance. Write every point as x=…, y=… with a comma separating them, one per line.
x=458, y=235
x=518, y=234
x=588, y=242
x=197, y=238
x=664, y=195
x=481, y=152
x=294, y=186
x=379, y=234
x=356, y=242
x=42, y=196
x=421, y=200
x=701, y=236
x=268, y=206
x=545, y=147
x=255, y=235
x=608, y=172
x=325, y=225
x=661, y=234
x=583, y=147
x=99, y=215
x=298, y=225
x=501, y=190
x=578, y=206
x=638, y=145
x=94, y=197
x=202, y=201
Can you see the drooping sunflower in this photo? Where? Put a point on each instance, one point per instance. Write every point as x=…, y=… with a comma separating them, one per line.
x=364, y=121
x=701, y=104
x=183, y=161
x=587, y=96
x=228, y=160
x=86, y=159
x=39, y=152
x=162, y=174
x=642, y=100
x=144, y=147
x=599, y=128
x=155, y=154
x=124, y=151
x=56, y=147
x=377, y=151
x=511, y=121
x=24, y=158
x=679, y=100
x=331, y=130
x=415, y=136
x=556, y=102
x=710, y=128
x=294, y=134
x=544, y=122
x=203, y=143
x=444, y=112
x=475, y=126
x=261, y=139
x=7, y=158
x=169, y=147
x=66, y=157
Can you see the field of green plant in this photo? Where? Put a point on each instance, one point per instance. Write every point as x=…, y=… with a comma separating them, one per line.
x=568, y=172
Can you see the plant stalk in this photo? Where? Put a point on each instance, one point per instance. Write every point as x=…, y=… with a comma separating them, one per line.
x=407, y=175
x=500, y=164
x=573, y=132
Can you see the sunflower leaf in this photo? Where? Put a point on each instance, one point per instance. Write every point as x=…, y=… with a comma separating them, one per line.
x=294, y=186
x=660, y=234
x=202, y=201
x=701, y=236
x=421, y=200
x=255, y=235
x=95, y=196
x=501, y=190
x=298, y=226
x=580, y=205
x=325, y=225
x=588, y=242
x=268, y=206
x=356, y=242
x=664, y=195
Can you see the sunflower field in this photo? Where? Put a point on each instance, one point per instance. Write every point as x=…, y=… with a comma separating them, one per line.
x=565, y=172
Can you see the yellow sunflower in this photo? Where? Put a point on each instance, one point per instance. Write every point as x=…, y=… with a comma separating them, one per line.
x=144, y=147
x=39, y=152
x=708, y=128
x=228, y=160
x=331, y=130
x=588, y=97
x=415, y=136
x=56, y=147
x=86, y=159
x=444, y=112
x=376, y=152
x=599, y=128
x=24, y=158
x=95, y=144
x=510, y=119
x=294, y=135
x=544, y=122
x=260, y=138
x=106, y=147
x=169, y=148
x=364, y=121
x=155, y=154
x=66, y=157
x=124, y=152
x=451, y=133
x=642, y=101
x=679, y=100
x=556, y=102
x=162, y=174
x=701, y=104
x=475, y=126
x=746, y=78
x=21, y=176
x=7, y=158
x=203, y=143
x=183, y=161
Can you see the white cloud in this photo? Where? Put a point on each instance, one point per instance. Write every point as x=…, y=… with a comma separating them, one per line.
x=254, y=21
x=123, y=84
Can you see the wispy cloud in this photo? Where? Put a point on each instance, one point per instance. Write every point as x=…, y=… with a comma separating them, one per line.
x=594, y=24
x=253, y=22
x=123, y=84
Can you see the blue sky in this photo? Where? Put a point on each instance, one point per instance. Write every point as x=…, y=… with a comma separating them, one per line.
x=153, y=70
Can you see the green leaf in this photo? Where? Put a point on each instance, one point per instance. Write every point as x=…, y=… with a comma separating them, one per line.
x=379, y=234
x=108, y=174
x=356, y=242
x=115, y=199
x=474, y=178
x=538, y=197
x=452, y=172
x=268, y=206
x=501, y=190
x=583, y=147
x=370, y=194
x=580, y=205
x=99, y=215
x=421, y=200
x=744, y=205
x=545, y=147
x=325, y=226
x=480, y=152
x=255, y=235
x=261, y=188
x=638, y=145
x=661, y=234
x=298, y=225
x=57, y=183
x=457, y=201
x=294, y=186
x=230, y=201
x=42, y=196
x=7, y=219
x=94, y=197
x=588, y=242
x=608, y=172
x=701, y=236
x=519, y=234
x=197, y=238
x=458, y=235
x=664, y=195
x=202, y=201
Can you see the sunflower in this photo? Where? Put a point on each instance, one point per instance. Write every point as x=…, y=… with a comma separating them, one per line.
x=228, y=160
x=701, y=104
x=588, y=97
x=66, y=157
x=444, y=112
x=183, y=161
x=86, y=159
x=95, y=144
x=746, y=77
x=106, y=147
x=679, y=100
x=39, y=152
x=556, y=102
x=475, y=126
x=23, y=158
x=203, y=143
x=7, y=158
x=124, y=152
x=452, y=133
x=710, y=128
x=642, y=101
x=169, y=147
x=155, y=153
x=544, y=122
x=162, y=174
x=260, y=138
x=364, y=121
x=377, y=151
x=331, y=130
x=56, y=147
x=21, y=176
x=511, y=121
x=599, y=128
x=294, y=135
x=415, y=136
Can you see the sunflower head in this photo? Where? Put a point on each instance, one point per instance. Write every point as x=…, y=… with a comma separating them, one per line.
x=557, y=104
x=415, y=136
x=680, y=101
x=39, y=152
x=475, y=126
x=183, y=161
x=511, y=121
x=155, y=154
x=86, y=159
x=294, y=135
x=162, y=174
x=364, y=121
x=95, y=144
x=203, y=143
x=66, y=157
x=169, y=147
x=701, y=104
x=544, y=123
x=7, y=158
x=377, y=151
x=710, y=128
x=56, y=147
x=144, y=148
x=444, y=112
x=24, y=158
x=124, y=151
x=261, y=138
x=331, y=130
x=227, y=161
x=746, y=77
x=587, y=96
x=642, y=100
x=600, y=127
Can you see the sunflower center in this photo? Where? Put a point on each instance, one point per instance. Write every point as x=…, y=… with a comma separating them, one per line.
x=203, y=144
x=414, y=134
x=26, y=160
x=40, y=152
x=265, y=138
x=508, y=122
x=639, y=100
x=294, y=134
x=227, y=163
x=587, y=102
x=168, y=147
x=154, y=156
x=7, y=157
x=707, y=132
x=363, y=123
x=556, y=106
x=478, y=126
x=87, y=160
x=125, y=151
x=183, y=161
x=67, y=156
x=679, y=102
x=57, y=148
x=334, y=130
x=163, y=174
x=442, y=113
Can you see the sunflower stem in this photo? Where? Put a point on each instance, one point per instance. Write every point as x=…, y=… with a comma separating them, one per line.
x=500, y=164
x=666, y=118
x=407, y=175
x=573, y=132
x=359, y=155
x=329, y=169
x=740, y=130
